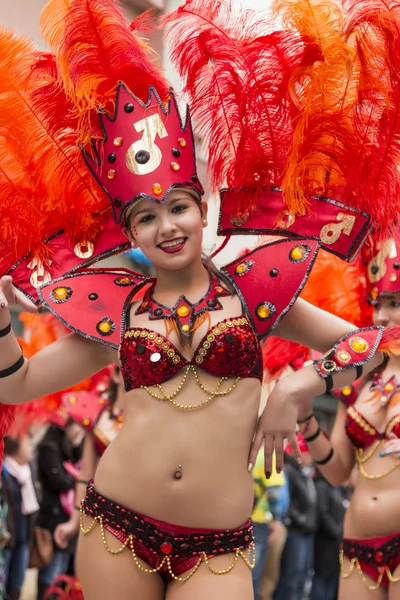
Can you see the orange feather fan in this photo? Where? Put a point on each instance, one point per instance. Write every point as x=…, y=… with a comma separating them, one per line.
x=95, y=48
x=237, y=76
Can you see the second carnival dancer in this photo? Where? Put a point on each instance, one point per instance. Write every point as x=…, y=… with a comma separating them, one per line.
x=366, y=433
x=172, y=494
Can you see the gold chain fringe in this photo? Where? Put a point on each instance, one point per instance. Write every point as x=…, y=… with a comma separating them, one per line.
x=355, y=563
x=129, y=543
x=363, y=457
x=211, y=394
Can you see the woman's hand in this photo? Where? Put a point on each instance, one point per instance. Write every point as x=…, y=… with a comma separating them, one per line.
x=10, y=295
x=65, y=531
x=277, y=423
x=391, y=447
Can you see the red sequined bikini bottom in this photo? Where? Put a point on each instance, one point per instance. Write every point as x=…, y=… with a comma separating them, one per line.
x=378, y=558
x=168, y=549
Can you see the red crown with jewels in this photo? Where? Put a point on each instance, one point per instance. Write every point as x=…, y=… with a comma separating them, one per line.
x=147, y=151
x=383, y=269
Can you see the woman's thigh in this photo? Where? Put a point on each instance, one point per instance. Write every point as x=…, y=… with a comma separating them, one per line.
x=235, y=585
x=394, y=588
x=104, y=575
x=354, y=587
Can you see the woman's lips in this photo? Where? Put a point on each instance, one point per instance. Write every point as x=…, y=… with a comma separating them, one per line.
x=173, y=249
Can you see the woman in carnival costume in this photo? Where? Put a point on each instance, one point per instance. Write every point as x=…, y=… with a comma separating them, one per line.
x=190, y=349
x=366, y=433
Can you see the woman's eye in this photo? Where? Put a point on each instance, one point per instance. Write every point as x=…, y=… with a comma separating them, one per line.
x=179, y=208
x=395, y=304
x=146, y=219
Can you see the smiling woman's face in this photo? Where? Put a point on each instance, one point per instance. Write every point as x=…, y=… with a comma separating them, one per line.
x=169, y=234
x=387, y=310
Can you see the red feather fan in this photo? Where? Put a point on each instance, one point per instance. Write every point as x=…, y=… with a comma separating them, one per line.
x=373, y=185
x=236, y=75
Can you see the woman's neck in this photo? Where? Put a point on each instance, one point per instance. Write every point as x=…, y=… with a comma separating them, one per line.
x=192, y=282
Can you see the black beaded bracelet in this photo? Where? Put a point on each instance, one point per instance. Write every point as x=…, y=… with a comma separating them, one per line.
x=5, y=331
x=14, y=368
x=313, y=437
x=303, y=421
x=325, y=460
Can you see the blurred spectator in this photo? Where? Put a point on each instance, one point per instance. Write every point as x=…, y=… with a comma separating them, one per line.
x=62, y=444
x=331, y=511
x=4, y=539
x=261, y=518
x=278, y=498
x=301, y=523
x=20, y=496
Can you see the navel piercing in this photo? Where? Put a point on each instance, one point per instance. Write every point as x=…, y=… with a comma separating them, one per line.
x=178, y=474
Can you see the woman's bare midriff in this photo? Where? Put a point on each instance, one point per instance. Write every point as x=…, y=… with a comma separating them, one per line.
x=374, y=507
x=211, y=444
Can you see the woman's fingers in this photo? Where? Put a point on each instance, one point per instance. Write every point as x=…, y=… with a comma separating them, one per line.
x=279, y=452
x=24, y=301
x=268, y=453
x=292, y=439
x=255, y=447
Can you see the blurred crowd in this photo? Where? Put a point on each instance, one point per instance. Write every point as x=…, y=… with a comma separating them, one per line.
x=298, y=521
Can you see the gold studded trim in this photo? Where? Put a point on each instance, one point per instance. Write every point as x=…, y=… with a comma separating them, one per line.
x=361, y=421
x=151, y=335
x=343, y=356
x=217, y=331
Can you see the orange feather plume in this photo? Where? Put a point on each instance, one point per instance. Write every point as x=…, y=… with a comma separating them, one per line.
x=95, y=49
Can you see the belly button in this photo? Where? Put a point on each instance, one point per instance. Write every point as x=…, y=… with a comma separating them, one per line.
x=374, y=498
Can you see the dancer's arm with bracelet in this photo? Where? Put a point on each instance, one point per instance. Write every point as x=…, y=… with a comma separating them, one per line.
x=333, y=455
x=65, y=531
x=348, y=353
x=60, y=365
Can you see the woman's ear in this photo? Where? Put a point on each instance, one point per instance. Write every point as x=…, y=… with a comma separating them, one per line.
x=203, y=212
x=130, y=237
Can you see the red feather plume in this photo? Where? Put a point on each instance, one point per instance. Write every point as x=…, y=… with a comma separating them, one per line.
x=237, y=76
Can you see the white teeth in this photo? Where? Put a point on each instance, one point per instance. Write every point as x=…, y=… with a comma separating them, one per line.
x=172, y=244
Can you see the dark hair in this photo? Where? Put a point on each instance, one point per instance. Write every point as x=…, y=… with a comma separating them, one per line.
x=208, y=263
x=11, y=445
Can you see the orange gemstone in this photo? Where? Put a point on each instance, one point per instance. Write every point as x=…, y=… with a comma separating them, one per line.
x=219, y=289
x=72, y=399
x=389, y=387
x=60, y=293
x=241, y=268
x=374, y=293
x=358, y=344
x=111, y=174
x=185, y=328
x=104, y=326
x=347, y=390
x=157, y=189
x=393, y=277
x=298, y=252
x=124, y=281
x=86, y=421
x=175, y=166
x=263, y=311
x=118, y=141
x=182, y=142
x=183, y=311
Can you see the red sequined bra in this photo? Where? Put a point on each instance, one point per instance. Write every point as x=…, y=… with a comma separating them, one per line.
x=229, y=349
x=363, y=434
